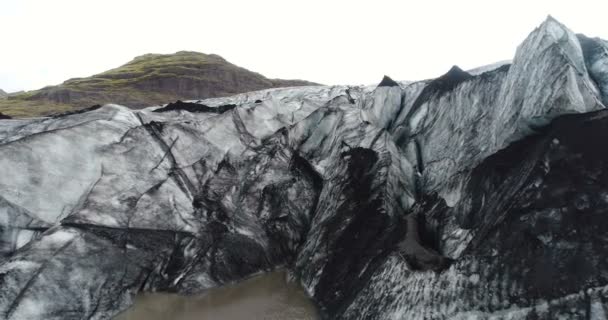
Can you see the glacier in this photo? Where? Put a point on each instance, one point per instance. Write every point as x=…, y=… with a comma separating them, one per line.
x=474, y=195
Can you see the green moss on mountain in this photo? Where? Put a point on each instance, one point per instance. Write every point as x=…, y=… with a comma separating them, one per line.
x=147, y=80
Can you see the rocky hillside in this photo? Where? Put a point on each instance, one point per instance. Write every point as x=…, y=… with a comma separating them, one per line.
x=475, y=195
x=3, y=94
x=150, y=79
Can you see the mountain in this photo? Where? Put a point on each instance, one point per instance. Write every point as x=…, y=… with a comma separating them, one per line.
x=3, y=95
x=473, y=195
x=151, y=79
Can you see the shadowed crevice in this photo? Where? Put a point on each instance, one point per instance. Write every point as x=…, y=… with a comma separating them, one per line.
x=195, y=107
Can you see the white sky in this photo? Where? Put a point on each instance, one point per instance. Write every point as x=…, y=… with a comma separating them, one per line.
x=45, y=42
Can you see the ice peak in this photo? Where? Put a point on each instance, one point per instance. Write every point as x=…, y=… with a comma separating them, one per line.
x=554, y=28
x=452, y=78
x=550, y=33
x=551, y=18
x=388, y=82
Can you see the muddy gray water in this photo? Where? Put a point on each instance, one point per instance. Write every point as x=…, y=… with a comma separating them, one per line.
x=265, y=297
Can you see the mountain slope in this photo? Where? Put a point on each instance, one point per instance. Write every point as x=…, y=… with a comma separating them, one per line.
x=3, y=94
x=147, y=80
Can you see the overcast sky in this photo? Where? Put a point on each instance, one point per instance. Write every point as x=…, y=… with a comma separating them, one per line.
x=332, y=42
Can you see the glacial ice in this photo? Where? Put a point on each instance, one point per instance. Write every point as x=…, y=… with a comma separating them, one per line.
x=445, y=198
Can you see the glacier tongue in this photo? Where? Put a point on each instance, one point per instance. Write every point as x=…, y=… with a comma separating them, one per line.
x=469, y=195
